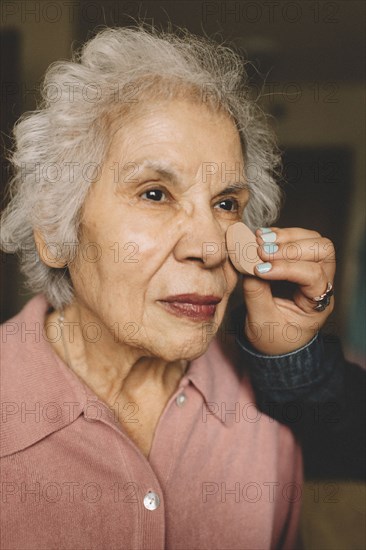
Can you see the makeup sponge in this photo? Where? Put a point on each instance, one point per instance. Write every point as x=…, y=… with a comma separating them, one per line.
x=242, y=248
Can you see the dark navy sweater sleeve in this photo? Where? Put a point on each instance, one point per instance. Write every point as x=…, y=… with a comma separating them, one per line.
x=320, y=396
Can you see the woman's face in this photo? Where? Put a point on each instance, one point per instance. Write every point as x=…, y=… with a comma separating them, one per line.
x=157, y=219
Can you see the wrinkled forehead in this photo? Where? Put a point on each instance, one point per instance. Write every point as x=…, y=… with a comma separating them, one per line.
x=172, y=138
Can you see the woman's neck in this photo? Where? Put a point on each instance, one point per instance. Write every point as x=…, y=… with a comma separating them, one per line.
x=126, y=379
x=113, y=370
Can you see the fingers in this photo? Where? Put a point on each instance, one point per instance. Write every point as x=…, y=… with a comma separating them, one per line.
x=300, y=256
x=287, y=234
x=311, y=250
x=311, y=278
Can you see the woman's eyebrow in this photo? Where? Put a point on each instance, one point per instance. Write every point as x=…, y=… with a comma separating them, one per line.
x=166, y=171
x=234, y=187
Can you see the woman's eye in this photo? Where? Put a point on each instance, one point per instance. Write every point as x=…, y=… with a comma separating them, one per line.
x=228, y=204
x=158, y=195
x=154, y=194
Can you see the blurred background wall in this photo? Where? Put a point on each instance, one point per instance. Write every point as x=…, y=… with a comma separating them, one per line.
x=308, y=71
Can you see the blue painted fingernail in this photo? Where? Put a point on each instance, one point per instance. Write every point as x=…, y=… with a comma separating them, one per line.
x=269, y=237
x=264, y=268
x=265, y=230
x=270, y=248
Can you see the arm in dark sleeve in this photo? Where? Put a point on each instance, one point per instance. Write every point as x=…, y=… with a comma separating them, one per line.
x=321, y=397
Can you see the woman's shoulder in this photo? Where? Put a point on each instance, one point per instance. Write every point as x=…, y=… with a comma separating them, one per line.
x=32, y=380
x=22, y=339
x=26, y=326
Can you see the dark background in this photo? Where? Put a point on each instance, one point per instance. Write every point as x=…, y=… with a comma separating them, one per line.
x=308, y=62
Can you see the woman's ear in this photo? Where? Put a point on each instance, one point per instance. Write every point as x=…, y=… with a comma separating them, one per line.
x=49, y=253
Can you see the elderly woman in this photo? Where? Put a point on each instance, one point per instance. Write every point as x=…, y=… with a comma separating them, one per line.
x=127, y=423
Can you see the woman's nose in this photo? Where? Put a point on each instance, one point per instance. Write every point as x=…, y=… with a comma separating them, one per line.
x=202, y=240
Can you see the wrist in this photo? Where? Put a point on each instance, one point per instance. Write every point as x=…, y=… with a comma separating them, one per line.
x=299, y=368
x=248, y=346
x=275, y=339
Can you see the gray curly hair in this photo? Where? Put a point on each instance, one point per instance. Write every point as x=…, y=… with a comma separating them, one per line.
x=59, y=146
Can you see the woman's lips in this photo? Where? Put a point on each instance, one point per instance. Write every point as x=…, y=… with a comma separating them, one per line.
x=194, y=306
x=194, y=311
